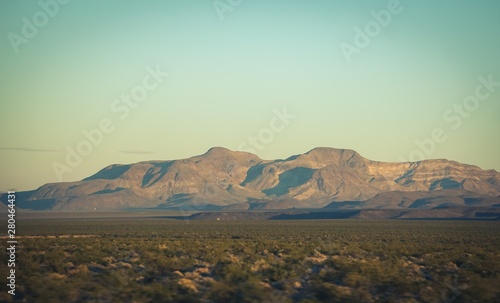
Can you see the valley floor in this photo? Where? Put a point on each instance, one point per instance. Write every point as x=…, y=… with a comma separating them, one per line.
x=163, y=260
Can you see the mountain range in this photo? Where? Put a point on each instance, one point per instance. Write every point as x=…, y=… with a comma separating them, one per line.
x=225, y=180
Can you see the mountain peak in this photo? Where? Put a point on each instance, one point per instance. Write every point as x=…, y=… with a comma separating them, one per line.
x=217, y=150
x=327, y=155
x=329, y=151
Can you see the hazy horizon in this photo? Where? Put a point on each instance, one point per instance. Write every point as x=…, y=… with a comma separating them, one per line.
x=283, y=73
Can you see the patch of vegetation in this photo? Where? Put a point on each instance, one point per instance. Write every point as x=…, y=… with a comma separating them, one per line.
x=257, y=261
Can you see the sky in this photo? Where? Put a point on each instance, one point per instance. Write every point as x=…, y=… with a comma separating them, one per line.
x=86, y=84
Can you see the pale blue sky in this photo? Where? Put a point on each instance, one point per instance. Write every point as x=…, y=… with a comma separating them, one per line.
x=226, y=78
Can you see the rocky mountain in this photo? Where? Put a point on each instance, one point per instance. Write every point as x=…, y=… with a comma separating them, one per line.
x=222, y=179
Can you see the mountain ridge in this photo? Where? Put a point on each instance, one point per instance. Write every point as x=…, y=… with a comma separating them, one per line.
x=225, y=179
